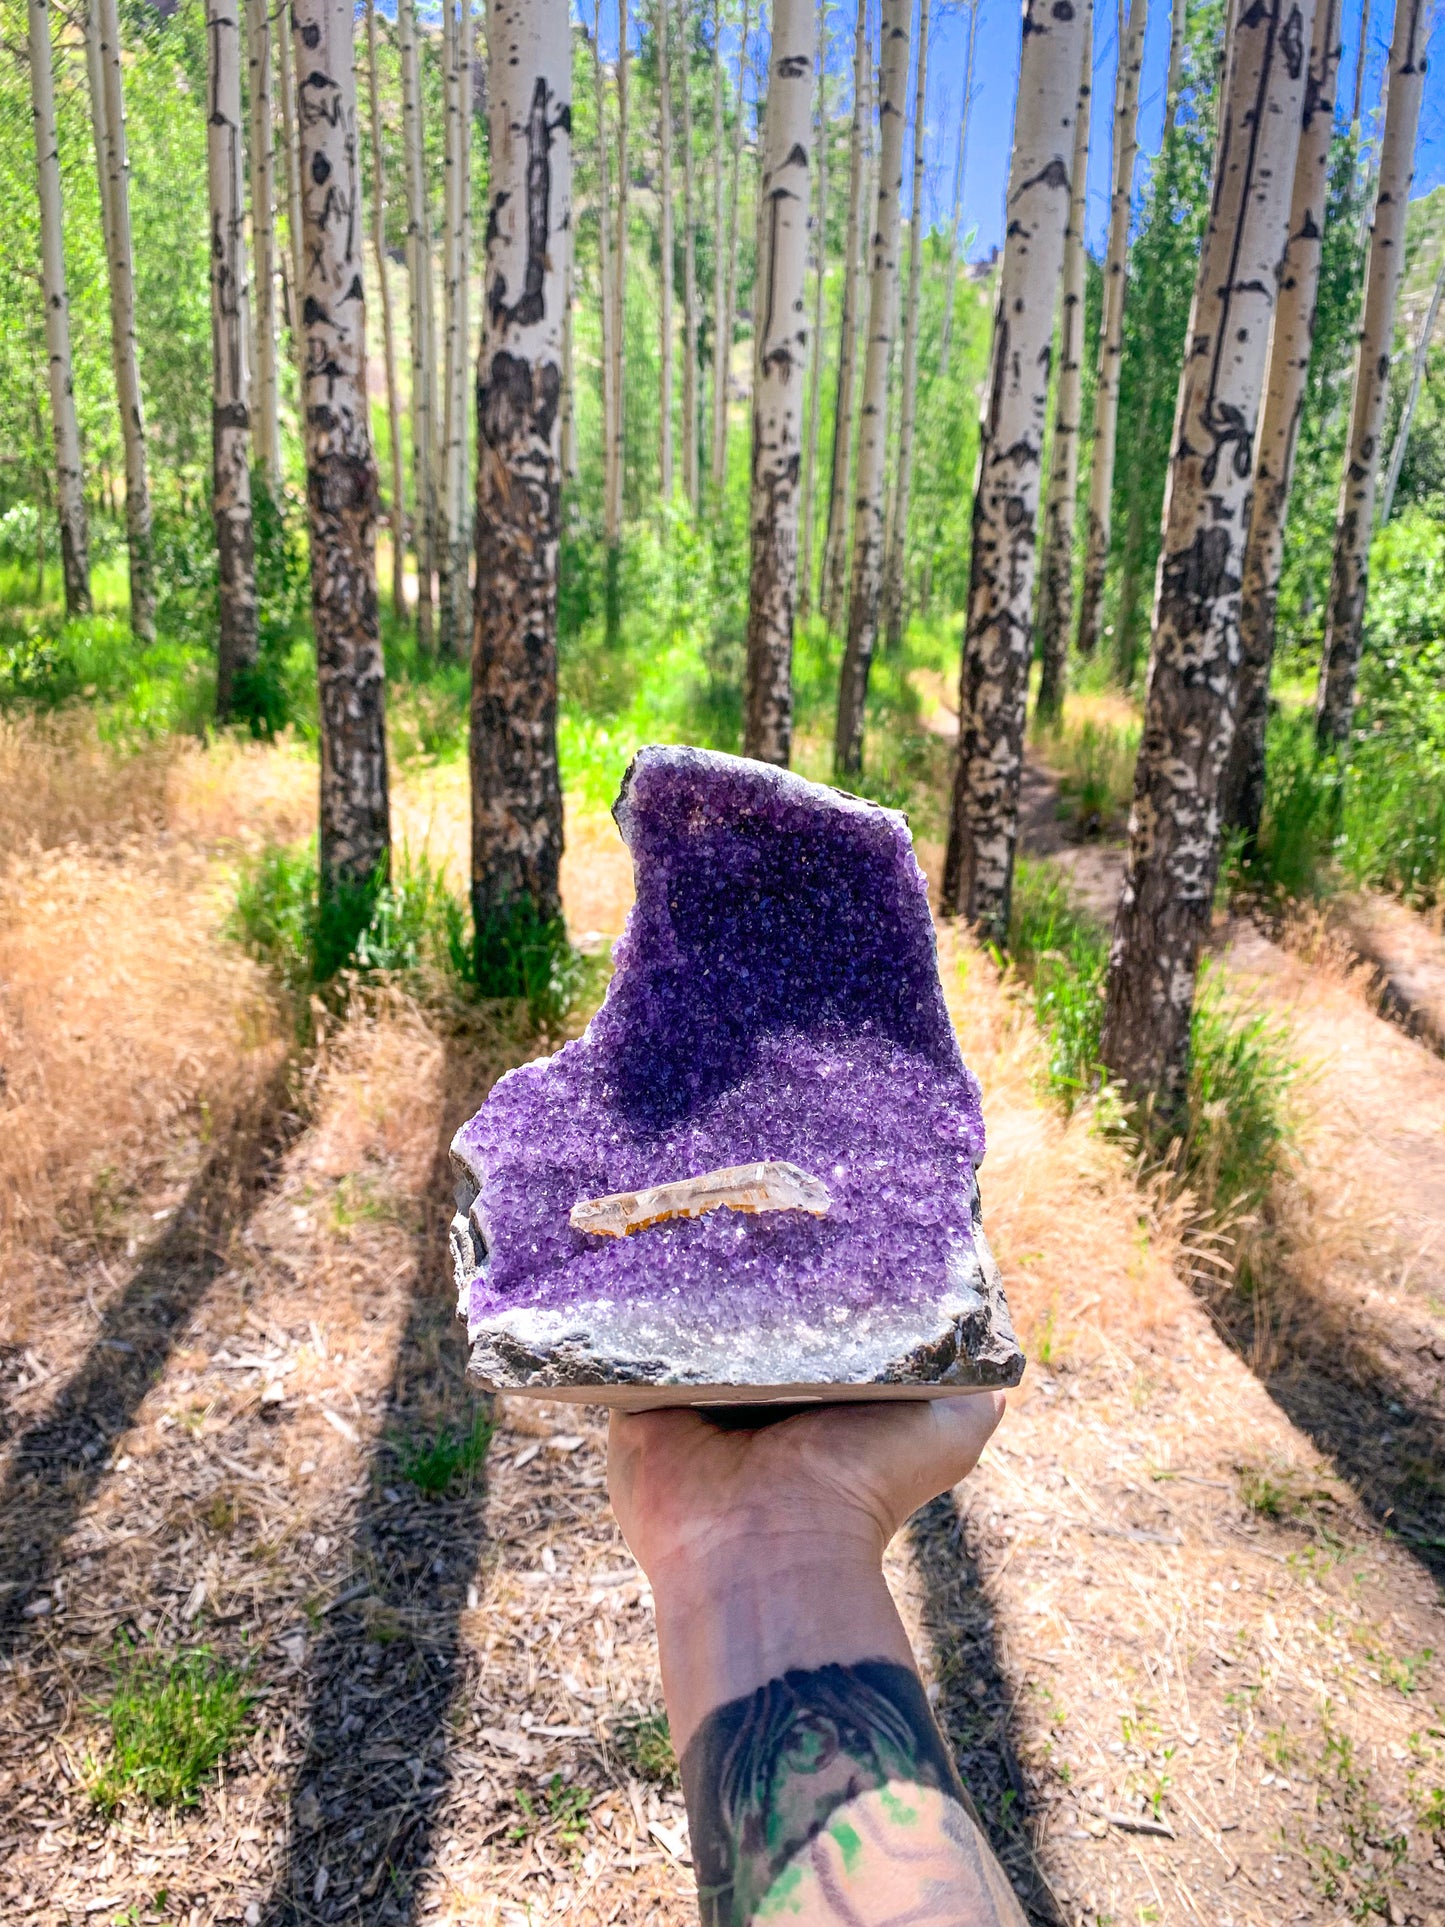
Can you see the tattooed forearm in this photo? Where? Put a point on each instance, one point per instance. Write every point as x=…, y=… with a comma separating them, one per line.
x=829, y=1797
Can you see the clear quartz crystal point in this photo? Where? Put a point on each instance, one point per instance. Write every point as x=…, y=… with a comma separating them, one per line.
x=771, y=1186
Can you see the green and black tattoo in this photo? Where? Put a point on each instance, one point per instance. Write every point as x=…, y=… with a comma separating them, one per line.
x=829, y=1796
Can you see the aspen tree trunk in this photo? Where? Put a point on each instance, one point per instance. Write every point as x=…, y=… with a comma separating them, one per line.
x=448, y=477
x=291, y=160
x=69, y=475
x=454, y=625
x=719, y=275
x=393, y=397
x=1189, y=714
x=619, y=315
x=894, y=578
x=664, y=237
x=870, y=505
x=230, y=366
x=730, y=294
x=815, y=346
x=1242, y=798
x=993, y=687
x=340, y=473
x=423, y=364
x=120, y=262
x=266, y=406
x=951, y=282
x=611, y=492
x=1344, y=626
x=1412, y=397
x=835, y=542
x=781, y=332
x=1361, y=55
x=95, y=79
x=1056, y=576
x=1097, y=528
x=1178, y=23
x=516, y=788
x=570, y=469
x=689, y=274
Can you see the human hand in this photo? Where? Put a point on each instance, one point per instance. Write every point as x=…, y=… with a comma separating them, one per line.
x=683, y=1485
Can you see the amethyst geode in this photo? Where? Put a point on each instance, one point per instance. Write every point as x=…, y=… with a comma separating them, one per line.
x=776, y=998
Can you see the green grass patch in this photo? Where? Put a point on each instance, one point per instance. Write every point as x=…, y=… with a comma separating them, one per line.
x=644, y=1742
x=173, y=1718
x=1095, y=765
x=434, y=1465
x=559, y=1810
x=1241, y=1072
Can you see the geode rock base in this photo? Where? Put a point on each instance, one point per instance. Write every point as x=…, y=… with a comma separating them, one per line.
x=752, y=1179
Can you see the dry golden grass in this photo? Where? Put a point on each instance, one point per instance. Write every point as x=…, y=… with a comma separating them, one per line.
x=129, y=1034
x=234, y=792
x=59, y=783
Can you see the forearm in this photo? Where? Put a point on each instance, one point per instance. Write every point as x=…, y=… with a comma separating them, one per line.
x=818, y=1786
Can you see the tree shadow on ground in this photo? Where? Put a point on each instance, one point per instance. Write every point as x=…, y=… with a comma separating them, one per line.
x=57, y=1463
x=386, y=1668
x=1371, y=1400
x=974, y=1706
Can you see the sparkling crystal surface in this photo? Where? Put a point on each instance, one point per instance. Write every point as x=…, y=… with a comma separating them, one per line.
x=776, y=997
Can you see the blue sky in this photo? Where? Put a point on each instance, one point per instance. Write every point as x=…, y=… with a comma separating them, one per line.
x=996, y=77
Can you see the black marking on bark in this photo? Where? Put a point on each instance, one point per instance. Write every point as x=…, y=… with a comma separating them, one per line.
x=793, y=67
x=313, y=313
x=311, y=36
x=1292, y=43
x=529, y=307
x=1054, y=174
x=320, y=169
x=1193, y=580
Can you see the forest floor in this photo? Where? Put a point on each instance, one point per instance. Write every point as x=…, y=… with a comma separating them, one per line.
x=1185, y=1654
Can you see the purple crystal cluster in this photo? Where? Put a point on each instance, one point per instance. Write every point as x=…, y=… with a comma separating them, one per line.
x=776, y=996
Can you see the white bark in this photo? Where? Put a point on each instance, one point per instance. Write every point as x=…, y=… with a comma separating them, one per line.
x=1344, y=628
x=869, y=490
x=998, y=636
x=619, y=307
x=1289, y=359
x=120, y=263
x=1056, y=576
x=291, y=168
x=664, y=236
x=781, y=332
x=1111, y=328
x=730, y=292
x=516, y=789
x=69, y=474
x=951, y=282
x=690, y=469
x=719, y=279
x=397, y=505
x=95, y=79
x=230, y=361
x=266, y=396
x=570, y=468
x=1192, y=690
x=1361, y=53
x=340, y=474
x=425, y=530
x=835, y=543
x=1412, y=396
x=1178, y=22
x=815, y=346
x=895, y=571
x=611, y=485
x=456, y=282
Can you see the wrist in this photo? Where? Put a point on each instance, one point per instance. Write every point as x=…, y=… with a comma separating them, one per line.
x=751, y=1606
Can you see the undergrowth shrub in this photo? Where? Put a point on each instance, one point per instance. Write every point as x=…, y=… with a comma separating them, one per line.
x=434, y=1465
x=173, y=1719
x=1237, y=1130
x=412, y=924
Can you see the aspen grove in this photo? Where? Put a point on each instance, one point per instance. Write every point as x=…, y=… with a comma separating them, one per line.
x=701, y=370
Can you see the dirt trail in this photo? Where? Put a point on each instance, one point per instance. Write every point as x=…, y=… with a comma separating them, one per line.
x=1186, y=1673
x=1353, y=1340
